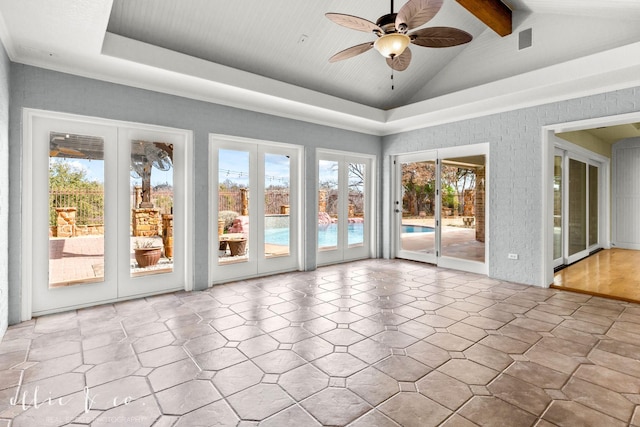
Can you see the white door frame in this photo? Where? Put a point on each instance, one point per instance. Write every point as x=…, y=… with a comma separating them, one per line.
x=439, y=155
x=343, y=252
x=257, y=264
x=28, y=193
x=548, y=140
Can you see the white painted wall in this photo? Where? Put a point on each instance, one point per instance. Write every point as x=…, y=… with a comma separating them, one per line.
x=626, y=194
x=4, y=189
x=515, y=179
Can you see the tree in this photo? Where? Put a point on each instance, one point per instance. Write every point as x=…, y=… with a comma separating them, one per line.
x=64, y=174
x=69, y=186
x=418, y=182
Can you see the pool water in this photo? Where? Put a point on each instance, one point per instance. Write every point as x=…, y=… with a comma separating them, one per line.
x=417, y=229
x=327, y=235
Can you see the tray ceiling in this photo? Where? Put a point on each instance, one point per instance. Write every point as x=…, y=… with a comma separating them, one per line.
x=272, y=56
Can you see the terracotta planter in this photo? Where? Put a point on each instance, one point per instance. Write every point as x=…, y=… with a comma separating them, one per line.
x=146, y=257
x=237, y=247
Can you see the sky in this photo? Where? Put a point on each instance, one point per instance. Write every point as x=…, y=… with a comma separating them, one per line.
x=94, y=170
x=234, y=166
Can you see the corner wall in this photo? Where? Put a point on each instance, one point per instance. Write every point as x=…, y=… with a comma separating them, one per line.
x=38, y=88
x=5, y=65
x=515, y=169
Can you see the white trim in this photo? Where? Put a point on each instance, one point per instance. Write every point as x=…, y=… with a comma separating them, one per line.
x=27, y=217
x=194, y=78
x=220, y=140
x=28, y=190
x=344, y=253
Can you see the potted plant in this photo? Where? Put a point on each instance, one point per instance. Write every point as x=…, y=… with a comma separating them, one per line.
x=147, y=253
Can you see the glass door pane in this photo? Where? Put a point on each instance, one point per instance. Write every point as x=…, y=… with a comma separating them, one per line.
x=233, y=206
x=419, y=206
x=328, y=205
x=593, y=205
x=357, y=204
x=462, y=232
x=557, y=208
x=151, y=188
x=76, y=209
x=577, y=206
x=277, y=189
x=74, y=224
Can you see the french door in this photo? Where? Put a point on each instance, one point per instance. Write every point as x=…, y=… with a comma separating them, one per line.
x=439, y=209
x=345, y=207
x=255, y=206
x=577, y=205
x=96, y=191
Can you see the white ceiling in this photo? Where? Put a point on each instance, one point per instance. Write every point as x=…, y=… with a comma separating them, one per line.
x=272, y=56
x=609, y=134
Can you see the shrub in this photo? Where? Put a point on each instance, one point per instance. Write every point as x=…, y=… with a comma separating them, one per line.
x=228, y=217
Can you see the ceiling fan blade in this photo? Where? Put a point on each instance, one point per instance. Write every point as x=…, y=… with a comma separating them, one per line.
x=354, y=22
x=351, y=52
x=416, y=13
x=440, y=37
x=400, y=63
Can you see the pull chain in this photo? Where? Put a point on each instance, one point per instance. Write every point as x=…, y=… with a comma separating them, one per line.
x=392, y=85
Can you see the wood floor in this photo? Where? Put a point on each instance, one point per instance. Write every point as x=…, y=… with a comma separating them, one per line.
x=614, y=273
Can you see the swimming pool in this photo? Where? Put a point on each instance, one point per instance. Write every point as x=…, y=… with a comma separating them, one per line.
x=417, y=229
x=327, y=235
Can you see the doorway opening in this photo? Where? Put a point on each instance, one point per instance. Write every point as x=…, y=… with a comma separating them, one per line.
x=589, y=211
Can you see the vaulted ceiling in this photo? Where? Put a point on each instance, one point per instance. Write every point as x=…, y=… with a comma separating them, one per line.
x=273, y=55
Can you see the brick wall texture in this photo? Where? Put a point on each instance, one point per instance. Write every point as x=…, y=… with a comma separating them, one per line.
x=515, y=167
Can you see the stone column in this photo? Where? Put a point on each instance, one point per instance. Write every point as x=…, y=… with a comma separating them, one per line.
x=146, y=222
x=66, y=222
x=167, y=234
x=244, y=196
x=322, y=201
x=138, y=195
x=480, y=203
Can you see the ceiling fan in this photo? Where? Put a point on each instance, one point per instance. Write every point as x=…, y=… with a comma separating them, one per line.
x=393, y=39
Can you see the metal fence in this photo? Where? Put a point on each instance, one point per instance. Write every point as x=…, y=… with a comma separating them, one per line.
x=163, y=200
x=89, y=204
x=273, y=199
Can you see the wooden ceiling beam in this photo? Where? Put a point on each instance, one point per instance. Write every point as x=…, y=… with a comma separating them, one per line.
x=494, y=13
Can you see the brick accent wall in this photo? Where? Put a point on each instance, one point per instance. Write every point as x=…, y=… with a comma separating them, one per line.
x=514, y=172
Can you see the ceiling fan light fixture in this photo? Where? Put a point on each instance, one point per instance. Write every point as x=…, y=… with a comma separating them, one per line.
x=392, y=45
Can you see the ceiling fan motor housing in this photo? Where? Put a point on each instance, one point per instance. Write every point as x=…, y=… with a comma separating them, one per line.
x=388, y=23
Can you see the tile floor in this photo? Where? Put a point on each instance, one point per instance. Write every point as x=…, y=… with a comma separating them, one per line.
x=369, y=343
